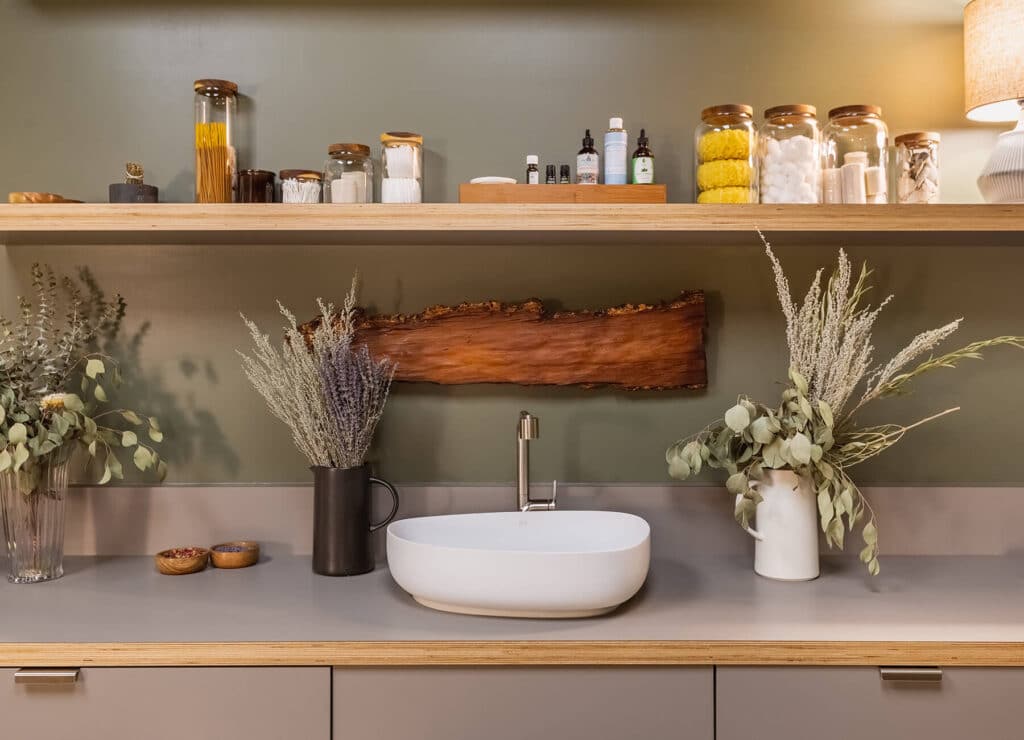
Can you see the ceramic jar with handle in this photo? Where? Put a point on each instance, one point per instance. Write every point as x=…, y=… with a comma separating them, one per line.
x=786, y=527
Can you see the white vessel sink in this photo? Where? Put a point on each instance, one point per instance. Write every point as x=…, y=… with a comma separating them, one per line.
x=543, y=564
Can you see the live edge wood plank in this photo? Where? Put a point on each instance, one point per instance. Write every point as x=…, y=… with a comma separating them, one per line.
x=22, y=221
x=551, y=653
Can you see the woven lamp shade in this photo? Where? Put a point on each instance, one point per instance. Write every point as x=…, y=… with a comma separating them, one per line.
x=994, y=59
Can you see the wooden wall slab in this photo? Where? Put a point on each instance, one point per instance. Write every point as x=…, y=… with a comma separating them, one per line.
x=632, y=347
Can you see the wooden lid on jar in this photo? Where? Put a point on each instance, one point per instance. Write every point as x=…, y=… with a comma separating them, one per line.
x=299, y=175
x=401, y=137
x=728, y=109
x=215, y=88
x=794, y=109
x=358, y=150
x=918, y=137
x=855, y=110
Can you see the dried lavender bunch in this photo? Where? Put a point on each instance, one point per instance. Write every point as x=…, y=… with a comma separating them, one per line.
x=329, y=394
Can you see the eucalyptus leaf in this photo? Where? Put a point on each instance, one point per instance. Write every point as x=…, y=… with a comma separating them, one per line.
x=73, y=403
x=99, y=393
x=142, y=458
x=93, y=367
x=800, y=448
x=736, y=484
x=129, y=439
x=870, y=533
x=5, y=460
x=20, y=457
x=17, y=434
x=761, y=430
x=132, y=418
x=772, y=455
x=737, y=418
x=826, y=414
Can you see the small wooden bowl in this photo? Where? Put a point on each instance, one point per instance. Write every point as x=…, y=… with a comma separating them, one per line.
x=180, y=561
x=237, y=554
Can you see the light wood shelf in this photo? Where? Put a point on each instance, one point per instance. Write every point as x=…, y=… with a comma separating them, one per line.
x=552, y=653
x=486, y=223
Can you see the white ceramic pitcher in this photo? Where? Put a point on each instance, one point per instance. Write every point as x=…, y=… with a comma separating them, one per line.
x=787, y=527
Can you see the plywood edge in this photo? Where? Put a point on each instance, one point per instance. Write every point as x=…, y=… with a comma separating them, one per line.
x=189, y=218
x=511, y=653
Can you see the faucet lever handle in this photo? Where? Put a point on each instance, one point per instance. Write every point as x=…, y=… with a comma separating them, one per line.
x=554, y=491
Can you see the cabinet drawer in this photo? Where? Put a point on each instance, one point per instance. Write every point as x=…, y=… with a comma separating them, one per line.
x=812, y=703
x=507, y=703
x=171, y=704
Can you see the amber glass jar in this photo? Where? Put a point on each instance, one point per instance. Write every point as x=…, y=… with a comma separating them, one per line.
x=726, y=155
x=856, y=155
x=216, y=110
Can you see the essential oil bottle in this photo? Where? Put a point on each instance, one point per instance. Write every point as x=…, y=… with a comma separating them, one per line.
x=588, y=162
x=643, y=161
x=532, y=170
x=615, y=142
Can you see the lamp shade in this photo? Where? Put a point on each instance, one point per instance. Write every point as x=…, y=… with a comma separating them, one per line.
x=994, y=59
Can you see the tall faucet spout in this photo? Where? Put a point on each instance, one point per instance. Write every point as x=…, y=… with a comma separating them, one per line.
x=528, y=428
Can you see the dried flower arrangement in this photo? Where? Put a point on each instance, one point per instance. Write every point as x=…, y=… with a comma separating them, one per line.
x=813, y=431
x=41, y=357
x=329, y=393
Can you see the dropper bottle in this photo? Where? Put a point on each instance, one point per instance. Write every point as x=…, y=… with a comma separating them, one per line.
x=588, y=162
x=643, y=161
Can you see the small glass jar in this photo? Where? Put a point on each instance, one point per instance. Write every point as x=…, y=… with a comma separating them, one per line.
x=300, y=186
x=255, y=186
x=790, y=147
x=402, y=167
x=726, y=162
x=855, y=144
x=917, y=167
x=216, y=110
x=348, y=174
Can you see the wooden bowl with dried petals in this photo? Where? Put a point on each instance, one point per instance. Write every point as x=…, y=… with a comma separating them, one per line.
x=180, y=561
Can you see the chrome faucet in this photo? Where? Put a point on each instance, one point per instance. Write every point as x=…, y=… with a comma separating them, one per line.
x=529, y=428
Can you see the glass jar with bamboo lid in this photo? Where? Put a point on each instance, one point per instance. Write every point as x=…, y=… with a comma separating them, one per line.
x=216, y=111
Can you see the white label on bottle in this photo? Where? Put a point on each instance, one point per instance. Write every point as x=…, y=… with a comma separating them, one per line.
x=587, y=169
x=533, y=177
x=614, y=160
x=643, y=170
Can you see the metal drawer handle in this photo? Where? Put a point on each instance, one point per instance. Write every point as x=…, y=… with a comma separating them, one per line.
x=46, y=676
x=918, y=673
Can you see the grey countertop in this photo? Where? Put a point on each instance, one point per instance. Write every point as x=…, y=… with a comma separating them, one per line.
x=106, y=600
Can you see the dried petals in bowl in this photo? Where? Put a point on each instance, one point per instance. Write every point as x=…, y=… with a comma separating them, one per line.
x=179, y=561
x=238, y=554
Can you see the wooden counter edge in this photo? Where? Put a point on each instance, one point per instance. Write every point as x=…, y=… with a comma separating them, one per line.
x=527, y=653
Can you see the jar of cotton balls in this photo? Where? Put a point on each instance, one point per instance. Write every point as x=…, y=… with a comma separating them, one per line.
x=726, y=162
x=790, y=145
x=402, y=167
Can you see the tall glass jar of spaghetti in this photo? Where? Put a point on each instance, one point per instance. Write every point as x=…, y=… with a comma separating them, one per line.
x=216, y=109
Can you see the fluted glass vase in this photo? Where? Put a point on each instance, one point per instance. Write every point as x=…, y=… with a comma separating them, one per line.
x=33, y=514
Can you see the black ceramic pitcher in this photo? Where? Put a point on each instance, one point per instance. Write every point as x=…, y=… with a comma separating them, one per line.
x=341, y=520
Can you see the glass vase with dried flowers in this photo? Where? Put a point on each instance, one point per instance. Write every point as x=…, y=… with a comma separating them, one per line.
x=54, y=378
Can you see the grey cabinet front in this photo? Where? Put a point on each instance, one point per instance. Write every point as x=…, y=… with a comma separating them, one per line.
x=767, y=703
x=512, y=703
x=170, y=704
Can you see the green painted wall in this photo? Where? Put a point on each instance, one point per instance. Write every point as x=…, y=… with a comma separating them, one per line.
x=88, y=85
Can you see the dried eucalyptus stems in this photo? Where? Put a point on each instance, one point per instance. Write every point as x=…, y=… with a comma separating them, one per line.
x=329, y=393
x=813, y=431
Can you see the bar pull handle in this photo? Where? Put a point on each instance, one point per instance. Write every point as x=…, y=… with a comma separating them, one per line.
x=919, y=674
x=46, y=676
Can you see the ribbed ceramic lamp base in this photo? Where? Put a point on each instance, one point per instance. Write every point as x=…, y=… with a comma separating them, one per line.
x=1002, y=180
